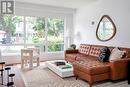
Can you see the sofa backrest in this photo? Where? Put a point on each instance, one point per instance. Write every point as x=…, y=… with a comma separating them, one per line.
x=84, y=48
x=95, y=50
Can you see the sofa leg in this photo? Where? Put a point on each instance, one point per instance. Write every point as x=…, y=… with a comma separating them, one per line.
x=90, y=85
x=76, y=77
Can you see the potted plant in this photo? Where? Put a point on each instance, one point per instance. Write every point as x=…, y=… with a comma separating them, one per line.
x=72, y=47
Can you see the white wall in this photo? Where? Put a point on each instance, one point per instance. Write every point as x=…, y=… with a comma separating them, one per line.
x=119, y=12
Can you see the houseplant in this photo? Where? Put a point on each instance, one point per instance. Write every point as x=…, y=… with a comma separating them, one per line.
x=72, y=47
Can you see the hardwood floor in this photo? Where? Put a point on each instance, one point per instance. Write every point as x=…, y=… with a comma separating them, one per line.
x=18, y=78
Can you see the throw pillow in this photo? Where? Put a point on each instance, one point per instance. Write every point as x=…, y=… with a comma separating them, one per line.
x=116, y=54
x=104, y=54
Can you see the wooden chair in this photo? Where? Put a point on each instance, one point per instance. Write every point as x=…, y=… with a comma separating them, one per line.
x=28, y=56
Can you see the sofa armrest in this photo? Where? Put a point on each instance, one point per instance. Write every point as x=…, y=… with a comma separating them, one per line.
x=71, y=51
x=119, y=68
x=71, y=58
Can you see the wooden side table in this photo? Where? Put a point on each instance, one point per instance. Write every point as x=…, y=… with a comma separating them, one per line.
x=129, y=72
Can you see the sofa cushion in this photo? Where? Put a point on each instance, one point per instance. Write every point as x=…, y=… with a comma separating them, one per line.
x=95, y=50
x=91, y=67
x=84, y=48
x=104, y=54
x=74, y=56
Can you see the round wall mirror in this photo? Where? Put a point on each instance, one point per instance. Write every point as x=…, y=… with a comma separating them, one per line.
x=106, y=29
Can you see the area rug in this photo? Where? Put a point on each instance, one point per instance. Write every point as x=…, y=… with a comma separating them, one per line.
x=43, y=77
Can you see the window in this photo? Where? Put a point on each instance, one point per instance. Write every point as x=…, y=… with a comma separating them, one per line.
x=17, y=32
x=55, y=34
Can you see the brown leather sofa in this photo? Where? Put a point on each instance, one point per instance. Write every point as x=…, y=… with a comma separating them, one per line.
x=88, y=67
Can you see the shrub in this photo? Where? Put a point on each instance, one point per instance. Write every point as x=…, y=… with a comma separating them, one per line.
x=56, y=46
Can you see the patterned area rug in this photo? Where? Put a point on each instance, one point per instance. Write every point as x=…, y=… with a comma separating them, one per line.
x=44, y=77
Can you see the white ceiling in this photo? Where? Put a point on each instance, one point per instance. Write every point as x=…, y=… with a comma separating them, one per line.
x=59, y=3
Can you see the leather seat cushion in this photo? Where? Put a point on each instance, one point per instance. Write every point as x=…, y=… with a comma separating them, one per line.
x=75, y=55
x=92, y=66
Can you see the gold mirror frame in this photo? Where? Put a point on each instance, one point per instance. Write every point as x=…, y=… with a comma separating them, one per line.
x=113, y=29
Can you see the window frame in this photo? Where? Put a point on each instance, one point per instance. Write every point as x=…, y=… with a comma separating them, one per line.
x=46, y=44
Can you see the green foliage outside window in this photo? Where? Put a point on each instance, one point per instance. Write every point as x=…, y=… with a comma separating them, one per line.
x=53, y=26
x=55, y=46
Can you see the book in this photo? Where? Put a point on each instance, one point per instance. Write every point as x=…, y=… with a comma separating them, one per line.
x=59, y=63
x=66, y=66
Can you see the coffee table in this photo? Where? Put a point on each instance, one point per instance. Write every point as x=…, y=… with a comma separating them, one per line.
x=61, y=70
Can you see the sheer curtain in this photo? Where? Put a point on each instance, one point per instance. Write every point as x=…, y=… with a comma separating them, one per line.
x=0, y=56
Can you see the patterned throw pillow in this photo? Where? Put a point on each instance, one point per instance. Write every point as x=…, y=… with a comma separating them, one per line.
x=104, y=54
x=116, y=54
